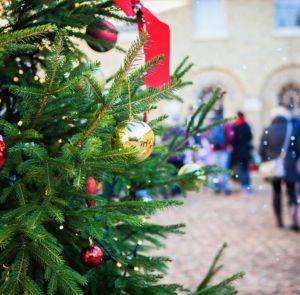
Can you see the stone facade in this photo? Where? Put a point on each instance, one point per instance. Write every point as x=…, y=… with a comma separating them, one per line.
x=252, y=62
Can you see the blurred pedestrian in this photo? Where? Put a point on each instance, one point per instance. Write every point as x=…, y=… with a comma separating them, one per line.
x=241, y=151
x=296, y=122
x=280, y=145
x=220, y=138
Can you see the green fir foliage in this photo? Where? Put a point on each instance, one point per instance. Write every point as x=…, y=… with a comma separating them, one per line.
x=58, y=133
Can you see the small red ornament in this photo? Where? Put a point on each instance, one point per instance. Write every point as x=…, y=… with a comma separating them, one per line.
x=91, y=186
x=92, y=256
x=2, y=150
x=105, y=31
x=146, y=117
x=91, y=189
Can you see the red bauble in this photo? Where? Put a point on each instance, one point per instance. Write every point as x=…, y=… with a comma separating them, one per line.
x=91, y=186
x=2, y=155
x=146, y=117
x=92, y=256
x=2, y=144
x=105, y=31
x=2, y=160
x=91, y=189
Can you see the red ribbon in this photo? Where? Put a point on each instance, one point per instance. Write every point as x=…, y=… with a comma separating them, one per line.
x=158, y=42
x=127, y=6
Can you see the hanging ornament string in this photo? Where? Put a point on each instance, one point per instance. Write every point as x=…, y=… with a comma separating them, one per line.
x=130, y=118
x=158, y=41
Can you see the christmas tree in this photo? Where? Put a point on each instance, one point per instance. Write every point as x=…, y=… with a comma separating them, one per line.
x=61, y=135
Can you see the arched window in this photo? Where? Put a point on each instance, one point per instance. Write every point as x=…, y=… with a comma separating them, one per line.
x=289, y=96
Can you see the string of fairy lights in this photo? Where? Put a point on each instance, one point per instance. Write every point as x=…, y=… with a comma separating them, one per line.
x=126, y=264
x=36, y=78
x=16, y=78
x=108, y=256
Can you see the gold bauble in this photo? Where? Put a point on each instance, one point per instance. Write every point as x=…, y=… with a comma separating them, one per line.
x=134, y=133
x=191, y=184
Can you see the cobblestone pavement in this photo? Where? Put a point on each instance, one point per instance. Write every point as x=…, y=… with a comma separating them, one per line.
x=269, y=256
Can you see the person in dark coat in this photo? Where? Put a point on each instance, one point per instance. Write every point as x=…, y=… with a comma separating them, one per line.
x=296, y=121
x=271, y=146
x=241, y=151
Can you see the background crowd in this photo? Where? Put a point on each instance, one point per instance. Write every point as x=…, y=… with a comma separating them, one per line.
x=229, y=146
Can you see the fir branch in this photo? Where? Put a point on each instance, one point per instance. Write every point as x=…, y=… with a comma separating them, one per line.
x=217, y=95
x=213, y=268
x=6, y=234
x=92, y=127
x=18, y=268
x=20, y=194
x=150, y=96
x=138, y=207
x=31, y=287
x=140, y=72
x=222, y=286
x=117, y=85
x=214, y=124
x=191, y=124
x=17, y=36
x=192, y=130
x=57, y=52
x=69, y=287
x=125, y=154
x=26, y=91
x=16, y=48
x=49, y=194
x=132, y=54
x=98, y=117
x=92, y=87
x=182, y=69
x=204, y=289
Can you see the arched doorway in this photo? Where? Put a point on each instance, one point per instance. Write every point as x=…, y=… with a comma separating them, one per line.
x=207, y=80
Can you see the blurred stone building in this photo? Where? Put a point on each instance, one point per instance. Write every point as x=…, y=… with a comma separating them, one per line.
x=250, y=48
